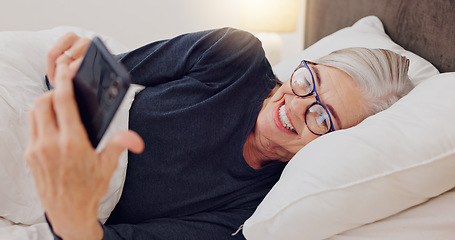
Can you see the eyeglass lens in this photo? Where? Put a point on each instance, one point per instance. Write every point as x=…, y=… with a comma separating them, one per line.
x=302, y=82
x=317, y=119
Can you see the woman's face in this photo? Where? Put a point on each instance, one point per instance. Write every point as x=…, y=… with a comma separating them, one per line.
x=336, y=90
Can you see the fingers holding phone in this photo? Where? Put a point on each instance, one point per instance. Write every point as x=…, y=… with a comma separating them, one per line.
x=70, y=48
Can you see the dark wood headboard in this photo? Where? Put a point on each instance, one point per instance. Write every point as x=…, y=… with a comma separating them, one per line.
x=425, y=27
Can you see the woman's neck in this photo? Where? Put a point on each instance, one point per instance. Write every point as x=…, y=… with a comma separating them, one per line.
x=255, y=150
x=254, y=154
x=259, y=152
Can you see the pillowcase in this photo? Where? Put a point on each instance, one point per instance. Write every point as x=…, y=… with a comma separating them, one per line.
x=391, y=161
x=367, y=32
x=22, y=70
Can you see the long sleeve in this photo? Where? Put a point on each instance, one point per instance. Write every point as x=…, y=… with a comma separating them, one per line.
x=206, y=53
x=196, y=227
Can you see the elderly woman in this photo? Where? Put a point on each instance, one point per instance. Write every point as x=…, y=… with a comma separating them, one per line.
x=217, y=126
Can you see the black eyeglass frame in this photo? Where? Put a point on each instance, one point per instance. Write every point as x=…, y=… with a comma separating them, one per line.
x=303, y=63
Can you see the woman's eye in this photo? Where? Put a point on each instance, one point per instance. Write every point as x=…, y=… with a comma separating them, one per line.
x=323, y=121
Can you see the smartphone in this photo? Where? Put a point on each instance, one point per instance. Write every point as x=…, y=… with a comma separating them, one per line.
x=100, y=85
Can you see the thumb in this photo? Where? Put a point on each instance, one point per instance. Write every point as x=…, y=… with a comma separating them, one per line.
x=118, y=143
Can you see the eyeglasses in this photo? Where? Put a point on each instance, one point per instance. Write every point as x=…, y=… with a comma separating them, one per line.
x=317, y=117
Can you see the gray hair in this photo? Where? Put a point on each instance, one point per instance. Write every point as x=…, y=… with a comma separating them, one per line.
x=381, y=74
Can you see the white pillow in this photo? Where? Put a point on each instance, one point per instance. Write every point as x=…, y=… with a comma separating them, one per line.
x=22, y=70
x=367, y=32
x=391, y=161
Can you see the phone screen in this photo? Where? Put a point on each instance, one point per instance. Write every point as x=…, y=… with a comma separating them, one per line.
x=99, y=86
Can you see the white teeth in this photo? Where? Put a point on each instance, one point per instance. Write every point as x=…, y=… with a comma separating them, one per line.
x=284, y=119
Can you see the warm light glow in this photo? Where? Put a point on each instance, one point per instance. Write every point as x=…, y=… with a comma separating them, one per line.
x=270, y=15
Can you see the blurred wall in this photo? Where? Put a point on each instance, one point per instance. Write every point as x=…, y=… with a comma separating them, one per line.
x=132, y=22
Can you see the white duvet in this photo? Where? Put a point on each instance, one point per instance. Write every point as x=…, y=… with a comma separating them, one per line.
x=22, y=70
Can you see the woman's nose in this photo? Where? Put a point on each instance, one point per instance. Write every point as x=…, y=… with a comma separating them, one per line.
x=299, y=105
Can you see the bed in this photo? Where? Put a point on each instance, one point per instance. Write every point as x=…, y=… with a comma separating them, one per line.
x=390, y=177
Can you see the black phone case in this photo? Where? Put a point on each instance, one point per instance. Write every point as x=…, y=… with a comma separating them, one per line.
x=100, y=85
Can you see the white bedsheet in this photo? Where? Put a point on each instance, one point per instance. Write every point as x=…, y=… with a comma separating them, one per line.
x=10, y=231
x=434, y=219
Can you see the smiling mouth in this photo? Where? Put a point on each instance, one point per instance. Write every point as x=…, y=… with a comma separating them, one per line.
x=285, y=120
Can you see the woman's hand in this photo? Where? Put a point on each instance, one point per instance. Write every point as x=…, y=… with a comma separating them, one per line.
x=76, y=47
x=70, y=177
